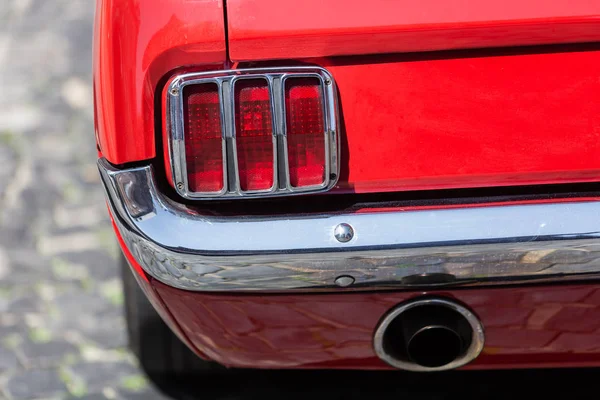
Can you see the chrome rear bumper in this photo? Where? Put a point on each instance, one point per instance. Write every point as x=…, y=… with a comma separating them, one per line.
x=389, y=249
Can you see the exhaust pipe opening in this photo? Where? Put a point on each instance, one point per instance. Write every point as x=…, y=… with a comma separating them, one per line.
x=429, y=335
x=434, y=346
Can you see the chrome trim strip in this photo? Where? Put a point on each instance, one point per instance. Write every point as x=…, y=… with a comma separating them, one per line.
x=476, y=346
x=401, y=249
x=226, y=82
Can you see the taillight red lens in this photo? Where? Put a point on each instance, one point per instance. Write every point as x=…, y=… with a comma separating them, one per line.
x=305, y=131
x=254, y=134
x=203, y=138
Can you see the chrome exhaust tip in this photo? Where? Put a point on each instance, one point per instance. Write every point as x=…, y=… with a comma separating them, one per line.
x=430, y=334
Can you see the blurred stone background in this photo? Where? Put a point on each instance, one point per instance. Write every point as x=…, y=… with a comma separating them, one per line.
x=62, y=332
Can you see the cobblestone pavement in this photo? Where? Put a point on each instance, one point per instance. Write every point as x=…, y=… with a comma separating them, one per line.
x=62, y=331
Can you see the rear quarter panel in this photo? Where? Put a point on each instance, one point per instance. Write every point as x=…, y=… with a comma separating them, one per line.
x=136, y=43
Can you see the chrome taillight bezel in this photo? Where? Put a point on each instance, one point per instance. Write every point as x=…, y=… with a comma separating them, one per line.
x=225, y=81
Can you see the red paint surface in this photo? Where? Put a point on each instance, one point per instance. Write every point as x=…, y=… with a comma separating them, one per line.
x=526, y=327
x=450, y=120
x=137, y=42
x=271, y=29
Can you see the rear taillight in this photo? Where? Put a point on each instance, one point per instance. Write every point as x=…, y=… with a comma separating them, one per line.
x=305, y=131
x=252, y=133
x=203, y=138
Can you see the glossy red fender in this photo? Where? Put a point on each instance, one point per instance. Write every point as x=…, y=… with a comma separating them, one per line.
x=136, y=43
x=273, y=29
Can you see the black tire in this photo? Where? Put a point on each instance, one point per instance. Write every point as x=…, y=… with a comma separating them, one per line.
x=160, y=352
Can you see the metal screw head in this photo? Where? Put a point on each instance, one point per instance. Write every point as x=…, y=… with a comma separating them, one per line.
x=328, y=81
x=343, y=233
x=175, y=91
x=344, y=280
x=180, y=186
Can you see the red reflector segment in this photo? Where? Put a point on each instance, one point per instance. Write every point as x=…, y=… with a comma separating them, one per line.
x=305, y=131
x=203, y=138
x=254, y=134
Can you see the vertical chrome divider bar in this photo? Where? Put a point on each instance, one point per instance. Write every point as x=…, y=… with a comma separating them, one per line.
x=280, y=131
x=181, y=143
x=326, y=123
x=275, y=127
x=333, y=126
x=235, y=168
x=229, y=130
x=175, y=124
x=329, y=126
x=219, y=83
x=286, y=163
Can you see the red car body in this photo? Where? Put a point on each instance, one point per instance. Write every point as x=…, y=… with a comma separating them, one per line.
x=437, y=100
